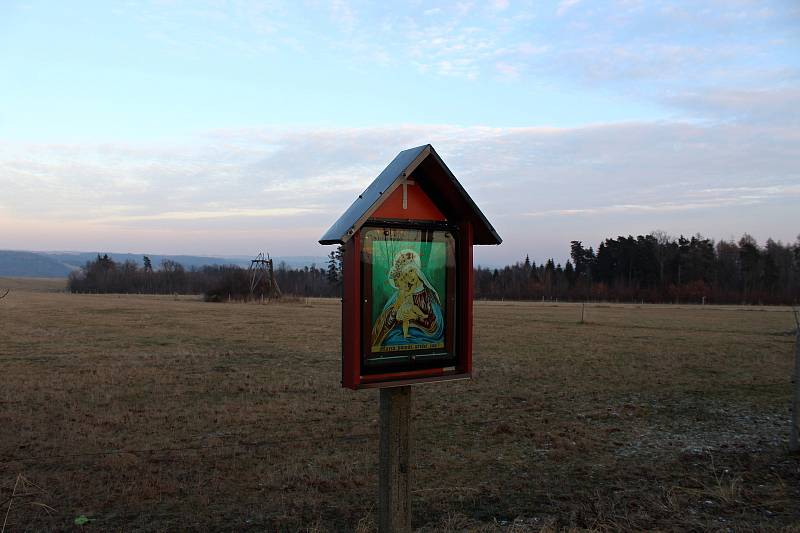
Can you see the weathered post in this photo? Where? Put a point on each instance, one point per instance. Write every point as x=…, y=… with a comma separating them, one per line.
x=394, y=502
x=794, y=436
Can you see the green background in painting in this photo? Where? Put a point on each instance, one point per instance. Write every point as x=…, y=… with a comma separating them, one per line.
x=432, y=255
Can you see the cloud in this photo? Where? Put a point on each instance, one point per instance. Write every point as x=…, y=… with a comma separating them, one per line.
x=209, y=215
x=776, y=106
x=663, y=47
x=717, y=198
x=225, y=191
x=449, y=48
x=500, y=5
x=344, y=14
x=508, y=70
x=565, y=5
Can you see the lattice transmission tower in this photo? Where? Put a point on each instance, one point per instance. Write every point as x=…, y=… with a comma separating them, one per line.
x=262, y=278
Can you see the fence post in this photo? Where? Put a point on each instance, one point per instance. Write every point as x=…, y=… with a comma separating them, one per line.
x=394, y=503
x=794, y=436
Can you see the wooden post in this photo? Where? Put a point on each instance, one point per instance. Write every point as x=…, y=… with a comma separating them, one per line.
x=794, y=436
x=394, y=503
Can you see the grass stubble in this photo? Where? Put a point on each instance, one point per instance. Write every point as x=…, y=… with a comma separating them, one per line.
x=162, y=413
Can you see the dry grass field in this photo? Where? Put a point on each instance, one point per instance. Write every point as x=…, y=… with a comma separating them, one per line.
x=157, y=413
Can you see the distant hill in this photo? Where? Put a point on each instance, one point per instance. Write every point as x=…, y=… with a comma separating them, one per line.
x=60, y=264
x=31, y=265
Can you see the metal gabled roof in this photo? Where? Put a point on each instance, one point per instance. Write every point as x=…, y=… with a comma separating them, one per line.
x=403, y=165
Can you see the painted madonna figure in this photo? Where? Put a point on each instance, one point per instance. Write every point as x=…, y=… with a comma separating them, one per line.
x=412, y=316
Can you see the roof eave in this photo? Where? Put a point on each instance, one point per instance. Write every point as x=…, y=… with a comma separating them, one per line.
x=357, y=215
x=496, y=239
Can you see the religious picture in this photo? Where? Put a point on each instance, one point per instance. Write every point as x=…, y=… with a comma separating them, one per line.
x=409, y=295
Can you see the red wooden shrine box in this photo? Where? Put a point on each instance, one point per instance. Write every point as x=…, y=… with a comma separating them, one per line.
x=407, y=269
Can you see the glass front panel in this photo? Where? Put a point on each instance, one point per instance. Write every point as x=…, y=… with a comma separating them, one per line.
x=409, y=305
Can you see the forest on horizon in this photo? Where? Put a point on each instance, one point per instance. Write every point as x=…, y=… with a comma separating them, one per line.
x=653, y=268
x=656, y=268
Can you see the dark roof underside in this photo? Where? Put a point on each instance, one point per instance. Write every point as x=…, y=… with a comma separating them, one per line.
x=425, y=166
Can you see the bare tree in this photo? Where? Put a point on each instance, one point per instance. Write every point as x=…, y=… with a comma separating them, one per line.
x=5, y=294
x=663, y=255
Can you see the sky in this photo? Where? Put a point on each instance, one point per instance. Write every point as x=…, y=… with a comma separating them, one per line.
x=229, y=127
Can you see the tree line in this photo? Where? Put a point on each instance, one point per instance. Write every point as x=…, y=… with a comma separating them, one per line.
x=655, y=268
x=215, y=282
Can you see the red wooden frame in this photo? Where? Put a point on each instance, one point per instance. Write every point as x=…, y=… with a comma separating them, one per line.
x=352, y=320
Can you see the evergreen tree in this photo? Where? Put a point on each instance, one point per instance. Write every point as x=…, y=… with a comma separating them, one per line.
x=333, y=268
x=105, y=262
x=569, y=272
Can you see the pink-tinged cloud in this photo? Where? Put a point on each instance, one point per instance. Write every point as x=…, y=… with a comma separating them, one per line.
x=235, y=191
